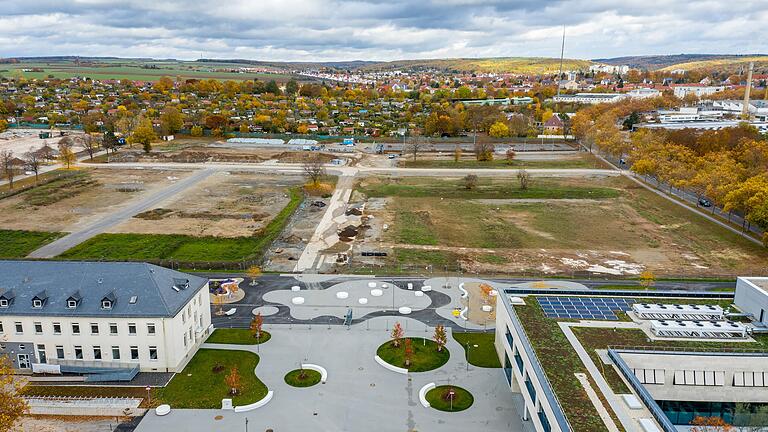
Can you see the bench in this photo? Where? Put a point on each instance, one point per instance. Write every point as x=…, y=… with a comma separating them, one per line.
x=423, y=394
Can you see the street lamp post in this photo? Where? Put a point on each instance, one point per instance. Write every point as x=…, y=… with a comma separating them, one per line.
x=149, y=395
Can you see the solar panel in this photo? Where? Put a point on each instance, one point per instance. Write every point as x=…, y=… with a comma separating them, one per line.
x=601, y=308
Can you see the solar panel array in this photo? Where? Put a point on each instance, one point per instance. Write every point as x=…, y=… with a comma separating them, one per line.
x=601, y=308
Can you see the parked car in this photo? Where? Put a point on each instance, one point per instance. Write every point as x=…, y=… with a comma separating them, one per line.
x=705, y=202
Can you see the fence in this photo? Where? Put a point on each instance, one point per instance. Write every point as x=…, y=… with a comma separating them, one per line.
x=79, y=406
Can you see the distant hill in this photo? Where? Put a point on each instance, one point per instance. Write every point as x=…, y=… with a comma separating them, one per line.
x=681, y=61
x=532, y=65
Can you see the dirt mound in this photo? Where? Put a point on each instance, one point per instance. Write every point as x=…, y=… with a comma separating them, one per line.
x=348, y=233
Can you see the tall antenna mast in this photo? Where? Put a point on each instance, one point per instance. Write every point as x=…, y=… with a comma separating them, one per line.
x=562, y=52
x=745, y=109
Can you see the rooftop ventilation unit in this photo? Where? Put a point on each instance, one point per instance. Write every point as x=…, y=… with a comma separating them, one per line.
x=687, y=312
x=698, y=329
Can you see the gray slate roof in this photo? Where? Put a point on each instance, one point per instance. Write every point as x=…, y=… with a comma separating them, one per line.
x=159, y=292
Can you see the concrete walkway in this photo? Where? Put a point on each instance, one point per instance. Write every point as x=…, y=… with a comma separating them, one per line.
x=134, y=207
x=360, y=395
x=325, y=234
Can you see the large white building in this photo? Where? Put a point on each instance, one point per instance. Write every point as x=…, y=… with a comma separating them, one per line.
x=106, y=320
x=752, y=297
x=682, y=91
x=590, y=98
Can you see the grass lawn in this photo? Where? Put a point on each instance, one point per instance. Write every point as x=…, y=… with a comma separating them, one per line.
x=310, y=378
x=482, y=355
x=488, y=188
x=183, y=247
x=439, y=399
x=425, y=354
x=197, y=386
x=237, y=337
x=18, y=244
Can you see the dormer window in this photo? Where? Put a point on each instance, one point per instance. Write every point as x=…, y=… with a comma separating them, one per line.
x=3, y=302
x=71, y=304
x=106, y=304
x=37, y=303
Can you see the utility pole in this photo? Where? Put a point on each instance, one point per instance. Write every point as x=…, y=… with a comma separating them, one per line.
x=745, y=109
x=562, y=53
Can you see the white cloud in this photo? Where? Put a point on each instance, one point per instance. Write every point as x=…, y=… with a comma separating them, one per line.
x=327, y=30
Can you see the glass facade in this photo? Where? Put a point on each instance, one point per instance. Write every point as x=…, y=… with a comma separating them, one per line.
x=507, y=369
x=683, y=413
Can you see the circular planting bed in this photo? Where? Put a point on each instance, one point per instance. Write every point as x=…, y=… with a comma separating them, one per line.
x=450, y=398
x=302, y=378
x=425, y=356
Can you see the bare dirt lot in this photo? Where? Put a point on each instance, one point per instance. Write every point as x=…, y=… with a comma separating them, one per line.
x=227, y=204
x=557, y=226
x=83, y=196
x=20, y=141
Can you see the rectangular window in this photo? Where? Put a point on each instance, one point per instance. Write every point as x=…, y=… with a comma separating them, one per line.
x=150, y=328
x=113, y=328
x=153, y=353
x=97, y=353
x=38, y=328
x=134, y=353
x=132, y=329
x=94, y=328
x=19, y=328
x=59, y=352
x=57, y=328
x=185, y=340
x=78, y=352
x=1, y=327
x=75, y=328
x=115, y=353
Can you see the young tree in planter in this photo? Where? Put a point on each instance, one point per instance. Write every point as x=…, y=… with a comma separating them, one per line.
x=233, y=381
x=397, y=334
x=408, y=354
x=440, y=337
x=710, y=424
x=256, y=324
x=254, y=272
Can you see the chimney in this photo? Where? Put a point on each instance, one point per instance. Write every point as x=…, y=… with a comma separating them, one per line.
x=745, y=110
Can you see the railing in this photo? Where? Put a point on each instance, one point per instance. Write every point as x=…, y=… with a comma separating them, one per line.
x=96, y=364
x=646, y=397
x=624, y=293
x=538, y=370
x=721, y=350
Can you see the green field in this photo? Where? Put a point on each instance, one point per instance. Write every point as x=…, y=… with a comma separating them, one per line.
x=183, y=247
x=237, y=337
x=426, y=357
x=198, y=386
x=482, y=355
x=18, y=244
x=133, y=70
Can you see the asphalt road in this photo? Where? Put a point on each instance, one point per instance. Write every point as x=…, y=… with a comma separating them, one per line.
x=137, y=206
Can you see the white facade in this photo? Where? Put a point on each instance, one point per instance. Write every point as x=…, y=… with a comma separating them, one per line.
x=699, y=91
x=524, y=374
x=752, y=297
x=643, y=93
x=590, y=98
x=157, y=344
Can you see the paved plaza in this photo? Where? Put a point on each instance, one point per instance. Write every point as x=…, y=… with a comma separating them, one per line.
x=360, y=394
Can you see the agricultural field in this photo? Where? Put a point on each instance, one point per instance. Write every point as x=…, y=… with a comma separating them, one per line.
x=558, y=226
x=135, y=70
x=522, y=65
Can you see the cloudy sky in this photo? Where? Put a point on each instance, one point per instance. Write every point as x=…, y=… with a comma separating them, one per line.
x=331, y=30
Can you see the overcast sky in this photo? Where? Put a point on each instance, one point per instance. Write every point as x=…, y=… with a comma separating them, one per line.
x=331, y=30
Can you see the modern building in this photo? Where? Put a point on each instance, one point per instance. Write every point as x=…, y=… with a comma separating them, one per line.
x=590, y=98
x=752, y=297
x=643, y=93
x=106, y=319
x=684, y=90
x=702, y=125
x=501, y=101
